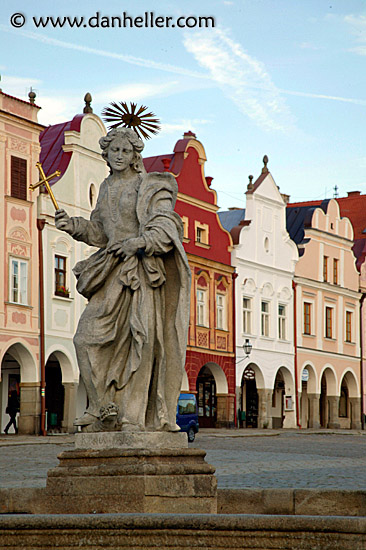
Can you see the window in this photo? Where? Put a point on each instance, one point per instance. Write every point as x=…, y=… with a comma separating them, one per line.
x=335, y=271
x=220, y=311
x=18, y=177
x=18, y=281
x=325, y=268
x=328, y=322
x=92, y=194
x=201, y=232
x=307, y=318
x=348, y=326
x=247, y=315
x=201, y=307
x=185, y=221
x=265, y=319
x=282, y=322
x=60, y=277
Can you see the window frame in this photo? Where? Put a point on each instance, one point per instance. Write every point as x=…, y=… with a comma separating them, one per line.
x=282, y=322
x=348, y=327
x=22, y=281
x=57, y=271
x=325, y=268
x=221, y=311
x=307, y=318
x=329, y=322
x=265, y=319
x=335, y=271
x=18, y=177
x=201, y=307
x=247, y=314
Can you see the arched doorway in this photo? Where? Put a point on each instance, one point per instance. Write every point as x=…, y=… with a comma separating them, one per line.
x=349, y=408
x=55, y=395
x=10, y=381
x=249, y=399
x=207, y=400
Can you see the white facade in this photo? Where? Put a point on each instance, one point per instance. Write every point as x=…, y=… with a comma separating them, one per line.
x=265, y=259
x=76, y=192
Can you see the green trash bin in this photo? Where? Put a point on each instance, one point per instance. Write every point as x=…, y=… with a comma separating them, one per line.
x=52, y=419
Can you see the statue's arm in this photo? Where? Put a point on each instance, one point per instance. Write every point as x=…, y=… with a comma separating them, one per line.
x=90, y=231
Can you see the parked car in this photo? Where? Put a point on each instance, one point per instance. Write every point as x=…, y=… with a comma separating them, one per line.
x=187, y=414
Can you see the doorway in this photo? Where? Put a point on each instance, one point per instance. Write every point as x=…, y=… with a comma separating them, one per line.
x=207, y=400
x=55, y=395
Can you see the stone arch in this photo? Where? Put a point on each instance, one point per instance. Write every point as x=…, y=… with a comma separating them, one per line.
x=220, y=378
x=29, y=367
x=312, y=383
x=69, y=369
x=351, y=380
x=287, y=378
x=259, y=378
x=330, y=375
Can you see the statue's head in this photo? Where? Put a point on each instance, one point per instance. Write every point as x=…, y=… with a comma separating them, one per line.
x=132, y=138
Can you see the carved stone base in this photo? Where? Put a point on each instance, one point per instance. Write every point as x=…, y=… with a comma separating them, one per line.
x=103, y=479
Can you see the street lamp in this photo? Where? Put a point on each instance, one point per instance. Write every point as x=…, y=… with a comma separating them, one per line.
x=247, y=347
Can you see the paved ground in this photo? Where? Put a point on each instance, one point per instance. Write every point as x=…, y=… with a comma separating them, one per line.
x=243, y=458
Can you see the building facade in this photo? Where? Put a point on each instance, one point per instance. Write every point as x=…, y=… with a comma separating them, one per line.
x=19, y=304
x=264, y=257
x=210, y=360
x=328, y=312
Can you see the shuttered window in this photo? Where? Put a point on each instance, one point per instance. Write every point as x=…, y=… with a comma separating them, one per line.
x=18, y=178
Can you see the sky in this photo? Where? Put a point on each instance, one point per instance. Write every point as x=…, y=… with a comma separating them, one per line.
x=282, y=78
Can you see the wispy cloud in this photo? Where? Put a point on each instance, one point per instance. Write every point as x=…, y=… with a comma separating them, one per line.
x=324, y=96
x=138, y=61
x=242, y=78
x=136, y=91
x=358, y=27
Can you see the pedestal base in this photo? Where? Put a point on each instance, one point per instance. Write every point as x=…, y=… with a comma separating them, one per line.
x=118, y=479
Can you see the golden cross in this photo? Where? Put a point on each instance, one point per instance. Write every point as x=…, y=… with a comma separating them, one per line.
x=44, y=180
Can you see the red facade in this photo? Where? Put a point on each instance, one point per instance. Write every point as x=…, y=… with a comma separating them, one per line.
x=210, y=361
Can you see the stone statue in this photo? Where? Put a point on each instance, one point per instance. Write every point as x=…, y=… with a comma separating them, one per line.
x=131, y=338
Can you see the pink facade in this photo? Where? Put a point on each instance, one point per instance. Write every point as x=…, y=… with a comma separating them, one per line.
x=328, y=316
x=19, y=309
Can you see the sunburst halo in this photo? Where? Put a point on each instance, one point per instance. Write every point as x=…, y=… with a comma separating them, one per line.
x=141, y=122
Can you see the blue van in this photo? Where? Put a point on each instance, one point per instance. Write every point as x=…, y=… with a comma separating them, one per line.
x=187, y=415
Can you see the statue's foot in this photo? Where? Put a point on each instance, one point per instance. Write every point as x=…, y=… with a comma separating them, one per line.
x=85, y=420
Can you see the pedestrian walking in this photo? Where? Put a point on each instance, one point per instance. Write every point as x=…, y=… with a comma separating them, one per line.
x=11, y=410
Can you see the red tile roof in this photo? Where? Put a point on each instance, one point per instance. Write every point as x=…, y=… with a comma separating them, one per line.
x=21, y=100
x=52, y=139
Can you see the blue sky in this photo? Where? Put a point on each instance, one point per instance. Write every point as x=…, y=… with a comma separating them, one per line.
x=286, y=78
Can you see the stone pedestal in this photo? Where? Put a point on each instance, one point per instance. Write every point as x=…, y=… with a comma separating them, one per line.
x=119, y=472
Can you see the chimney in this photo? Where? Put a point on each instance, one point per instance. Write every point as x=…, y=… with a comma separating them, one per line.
x=353, y=193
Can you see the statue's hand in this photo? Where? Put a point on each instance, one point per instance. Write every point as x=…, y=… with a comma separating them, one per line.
x=63, y=221
x=127, y=248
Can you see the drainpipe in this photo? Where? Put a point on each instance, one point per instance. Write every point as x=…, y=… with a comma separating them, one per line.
x=361, y=361
x=234, y=276
x=294, y=285
x=40, y=227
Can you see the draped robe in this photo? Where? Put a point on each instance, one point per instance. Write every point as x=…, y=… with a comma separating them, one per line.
x=132, y=336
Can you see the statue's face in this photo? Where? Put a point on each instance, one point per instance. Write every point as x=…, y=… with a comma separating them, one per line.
x=120, y=154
